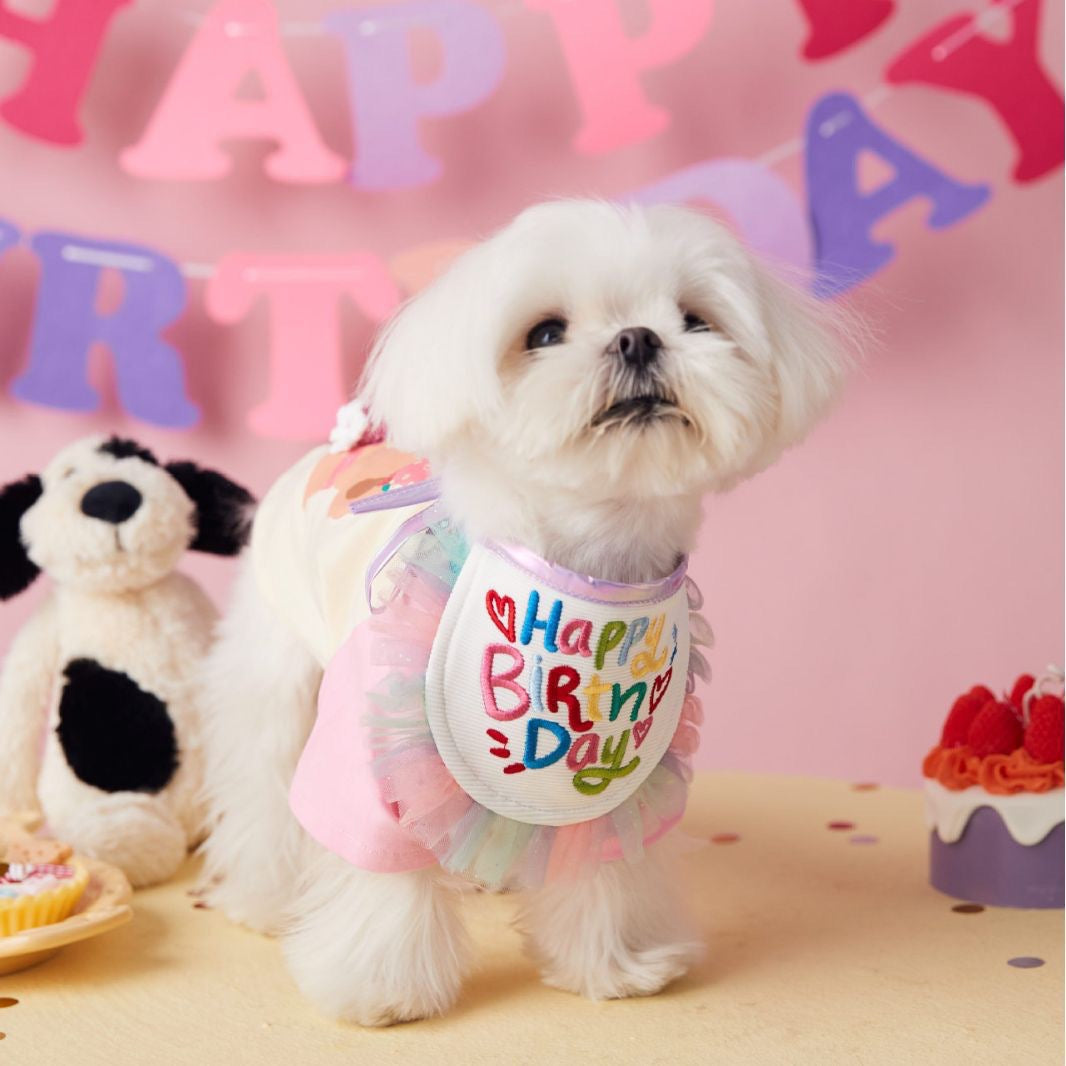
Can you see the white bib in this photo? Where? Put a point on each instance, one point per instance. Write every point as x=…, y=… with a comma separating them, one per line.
x=552, y=697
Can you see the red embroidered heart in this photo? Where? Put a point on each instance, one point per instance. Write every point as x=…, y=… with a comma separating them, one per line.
x=501, y=611
x=658, y=689
x=640, y=731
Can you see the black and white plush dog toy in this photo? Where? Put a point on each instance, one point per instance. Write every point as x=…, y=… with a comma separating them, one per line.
x=99, y=722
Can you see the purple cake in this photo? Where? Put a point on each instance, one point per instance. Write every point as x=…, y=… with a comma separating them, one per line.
x=995, y=799
x=986, y=850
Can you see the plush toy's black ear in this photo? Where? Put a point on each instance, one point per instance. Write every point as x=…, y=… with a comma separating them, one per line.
x=223, y=508
x=17, y=570
x=124, y=448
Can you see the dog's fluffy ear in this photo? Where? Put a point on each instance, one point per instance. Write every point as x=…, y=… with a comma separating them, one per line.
x=806, y=345
x=433, y=368
x=17, y=569
x=223, y=508
x=810, y=350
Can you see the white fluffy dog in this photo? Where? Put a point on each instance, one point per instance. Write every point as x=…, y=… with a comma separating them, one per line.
x=578, y=382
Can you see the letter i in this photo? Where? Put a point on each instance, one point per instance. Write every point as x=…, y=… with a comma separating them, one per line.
x=537, y=686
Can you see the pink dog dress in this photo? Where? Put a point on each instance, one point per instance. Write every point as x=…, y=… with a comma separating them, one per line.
x=480, y=708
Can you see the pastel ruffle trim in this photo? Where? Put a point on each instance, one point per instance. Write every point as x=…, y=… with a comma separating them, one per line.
x=1002, y=775
x=465, y=837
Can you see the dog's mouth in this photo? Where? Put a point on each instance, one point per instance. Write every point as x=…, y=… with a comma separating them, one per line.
x=639, y=411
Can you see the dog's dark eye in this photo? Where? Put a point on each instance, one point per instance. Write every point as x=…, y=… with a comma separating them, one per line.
x=545, y=334
x=695, y=324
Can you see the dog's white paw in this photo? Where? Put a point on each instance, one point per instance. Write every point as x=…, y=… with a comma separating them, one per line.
x=370, y=988
x=624, y=973
x=374, y=948
x=261, y=912
x=620, y=931
x=375, y=1011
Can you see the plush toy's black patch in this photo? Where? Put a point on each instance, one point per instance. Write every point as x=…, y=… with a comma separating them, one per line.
x=17, y=570
x=124, y=448
x=223, y=508
x=115, y=736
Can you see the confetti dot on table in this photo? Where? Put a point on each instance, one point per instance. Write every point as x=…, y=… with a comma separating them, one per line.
x=863, y=838
x=201, y=906
x=840, y=825
x=865, y=786
x=725, y=838
x=7, y=1001
x=967, y=908
x=1025, y=962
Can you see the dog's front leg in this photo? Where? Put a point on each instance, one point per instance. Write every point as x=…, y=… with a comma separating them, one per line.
x=375, y=948
x=258, y=689
x=619, y=931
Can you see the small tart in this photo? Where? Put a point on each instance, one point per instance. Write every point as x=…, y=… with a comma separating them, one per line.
x=34, y=849
x=36, y=894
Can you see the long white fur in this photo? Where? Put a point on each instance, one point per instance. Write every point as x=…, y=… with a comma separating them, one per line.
x=513, y=435
x=259, y=689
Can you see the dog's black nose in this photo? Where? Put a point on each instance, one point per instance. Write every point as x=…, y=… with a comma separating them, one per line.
x=111, y=501
x=638, y=347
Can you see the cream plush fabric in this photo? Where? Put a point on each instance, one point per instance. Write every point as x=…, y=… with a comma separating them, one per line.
x=98, y=708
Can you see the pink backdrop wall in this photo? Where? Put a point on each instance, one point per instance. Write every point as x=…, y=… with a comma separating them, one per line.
x=911, y=547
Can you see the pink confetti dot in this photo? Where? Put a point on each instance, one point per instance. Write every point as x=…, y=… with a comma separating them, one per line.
x=725, y=838
x=863, y=838
x=865, y=786
x=840, y=825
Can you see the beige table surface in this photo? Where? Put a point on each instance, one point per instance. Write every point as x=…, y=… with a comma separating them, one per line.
x=822, y=949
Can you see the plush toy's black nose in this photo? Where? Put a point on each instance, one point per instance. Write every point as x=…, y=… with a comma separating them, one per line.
x=637, y=347
x=111, y=501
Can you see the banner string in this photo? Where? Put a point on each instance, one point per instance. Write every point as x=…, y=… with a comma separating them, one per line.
x=874, y=98
x=786, y=150
x=367, y=26
x=985, y=19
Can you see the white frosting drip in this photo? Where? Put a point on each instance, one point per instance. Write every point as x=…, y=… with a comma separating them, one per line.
x=1028, y=816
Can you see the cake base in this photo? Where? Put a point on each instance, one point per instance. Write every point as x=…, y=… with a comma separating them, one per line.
x=987, y=865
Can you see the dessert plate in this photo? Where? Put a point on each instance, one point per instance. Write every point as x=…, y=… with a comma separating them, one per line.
x=104, y=905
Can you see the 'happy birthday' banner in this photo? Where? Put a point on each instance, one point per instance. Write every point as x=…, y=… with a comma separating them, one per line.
x=829, y=237
x=201, y=107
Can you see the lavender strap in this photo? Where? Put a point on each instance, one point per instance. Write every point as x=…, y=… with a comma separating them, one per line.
x=422, y=492
x=427, y=491
x=585, y=587
x=408, y=528
x=579, y=585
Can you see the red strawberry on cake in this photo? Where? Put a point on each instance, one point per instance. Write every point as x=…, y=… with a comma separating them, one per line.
x=1044, y=734
x=997, y=729
x=963, y=711
x=994, y=795
x=1020, y=690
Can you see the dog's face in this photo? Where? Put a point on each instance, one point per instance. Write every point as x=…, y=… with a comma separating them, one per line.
x=606, y=350
x=105, y=515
